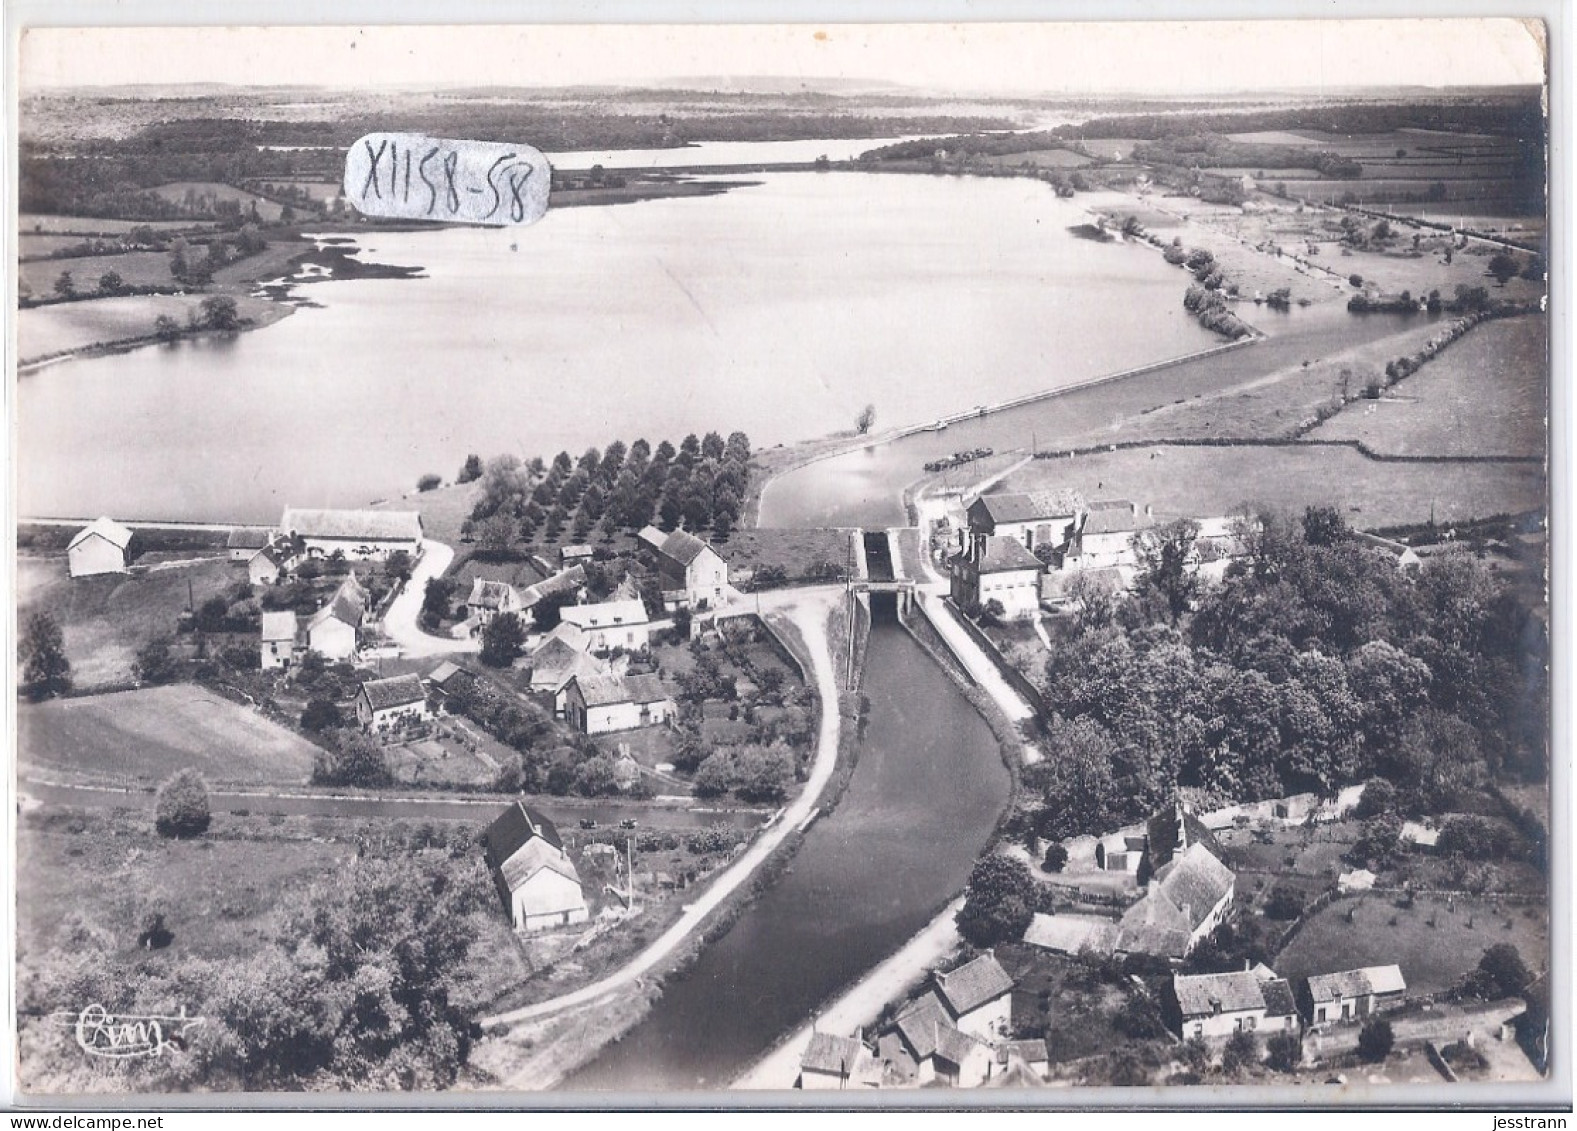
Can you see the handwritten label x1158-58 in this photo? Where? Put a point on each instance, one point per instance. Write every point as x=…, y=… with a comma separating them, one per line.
x=412, y=177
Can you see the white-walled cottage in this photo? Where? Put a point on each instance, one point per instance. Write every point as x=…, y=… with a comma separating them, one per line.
x=102, y=546
x=535, y=878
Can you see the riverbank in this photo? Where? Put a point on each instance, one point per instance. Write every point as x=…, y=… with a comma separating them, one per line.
x=95, y=327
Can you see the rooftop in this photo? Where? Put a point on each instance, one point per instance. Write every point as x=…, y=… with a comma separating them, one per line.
x=396, y=691
x=1199, y=995
x=1000, y=555
x=106, y=528
x=829, y=1053
x=607, y=690
x=1357, y=983
x=605, y=615
x=1027, y=506
x=248, y=538
x=491, y=594
x=371, y=526
x=973, y=984
x=279, y=626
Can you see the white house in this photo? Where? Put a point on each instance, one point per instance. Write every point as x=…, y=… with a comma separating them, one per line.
x=244, y=541
x=383, y=703
x=490, y=598
x=978, y=997
x=1242, y=1001
x=924, y=1046
x=998, y=569
x=693, y=574
x=601, y=704
x=832, y=1063
x=99, y=547
x=270, y=562
x=1351, y=994
x=555, y=662
x=610, y=624
x=331, y=631
x=1030, y=518
x=360, y=535
x=279, y=639
x=535, y=878
x=1105, y=538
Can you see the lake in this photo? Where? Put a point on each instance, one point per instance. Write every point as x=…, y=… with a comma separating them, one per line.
x=925, y=795
x=779, y=309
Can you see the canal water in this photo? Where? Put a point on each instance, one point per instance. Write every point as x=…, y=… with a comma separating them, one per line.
x=925, y=795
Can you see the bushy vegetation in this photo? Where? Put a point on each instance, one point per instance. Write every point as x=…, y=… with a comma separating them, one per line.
x=1316, y=663
x=182, y=809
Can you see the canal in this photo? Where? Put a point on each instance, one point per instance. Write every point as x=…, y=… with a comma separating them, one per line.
x=924, y=797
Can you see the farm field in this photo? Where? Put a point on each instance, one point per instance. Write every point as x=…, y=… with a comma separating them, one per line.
x=1432, y=958
x=146, y=735
x=199, y=193
x=1486, y=395
x=44, y=223
x=1207, y=481
x=798, y=552
x=136, y=269
x=1040, y=159
x=29, y=245
x=320, y=191
x=106, y=619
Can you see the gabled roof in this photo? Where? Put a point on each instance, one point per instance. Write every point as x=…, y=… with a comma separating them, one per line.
x=1356, y=983
x=364, y=525
x=445, y=672
x=1175, y=828
x=271, y=554
x=1199, y=995
x=522, y=842
x=106, y=528
x=516, y=825
x=248, y=538
x=683, y=547
x=279, y=626
x=1000, y=554
x=396, y=691
x=606, y=614
x=564, y=581
x=1111, y=516
x=1069, y=934
x=608, y=690
x=491, y=594
x=348, y=605
x=1030, y=1052
x=1195, y=882
x=920, y=1023
x=953, y=1045
x=1028, y=506
x=1279, y=1000
x=1155, y=925
x=973, y=984
x=829, y=1053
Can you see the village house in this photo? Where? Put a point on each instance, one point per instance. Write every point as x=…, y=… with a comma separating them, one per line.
x=1405, y=556
x=1105, y=537
x=535, y=878
x=602, y=704
x=102, y=546
x=693, y=575
x=361, y=535
x=556, y=661
x=571, y=555
x=1030, y=518
x=385, y=703
x=1215, y=1006
x=488, y=599
x=610, y=624
x=331, y=631
x=571, y=581
x=834, y=1063
x=1024, y=1058
x=244, y=541
x=1189, y=891
x=998, y=569
x=1352, y=994
x=270, y=562
x=279, y=639
x=447, y=680
x=924, y=1047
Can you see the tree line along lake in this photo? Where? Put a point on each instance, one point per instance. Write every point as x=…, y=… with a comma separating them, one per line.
x=779, y=308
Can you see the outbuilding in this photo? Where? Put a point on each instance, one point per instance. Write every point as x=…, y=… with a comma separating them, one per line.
x=102, y=546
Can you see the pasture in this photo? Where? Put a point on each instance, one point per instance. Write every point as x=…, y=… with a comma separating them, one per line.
x=136, y=269
x=106, y=619
x=44, y=223
x=1485, y=395
x=144, y=736
x=1435, y=942
x=1205, y=481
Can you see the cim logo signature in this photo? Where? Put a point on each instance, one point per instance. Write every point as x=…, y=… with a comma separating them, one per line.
x=102, y=1033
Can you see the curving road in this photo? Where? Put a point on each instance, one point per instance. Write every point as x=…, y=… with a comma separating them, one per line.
x=401, y=621
x=809, y=609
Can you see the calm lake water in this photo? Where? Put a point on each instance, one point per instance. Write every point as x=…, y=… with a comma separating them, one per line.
x=779, y=308
x=925, y=794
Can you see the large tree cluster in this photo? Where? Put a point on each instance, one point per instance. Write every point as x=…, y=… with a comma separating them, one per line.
x=700, y=485
x=1315, y=664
